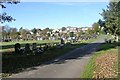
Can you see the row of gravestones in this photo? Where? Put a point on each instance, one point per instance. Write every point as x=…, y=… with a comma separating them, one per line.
x=27, y=50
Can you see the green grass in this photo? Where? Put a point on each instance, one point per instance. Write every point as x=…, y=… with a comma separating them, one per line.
x=91, y=40
x=9, y=46
x=90, y=67
x=30, y=41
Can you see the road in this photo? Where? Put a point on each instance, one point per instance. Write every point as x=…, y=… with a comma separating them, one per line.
x=70, y=65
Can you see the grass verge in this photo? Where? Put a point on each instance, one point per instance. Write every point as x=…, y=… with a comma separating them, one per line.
x=104, y=49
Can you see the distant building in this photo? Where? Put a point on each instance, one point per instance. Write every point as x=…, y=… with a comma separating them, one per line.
x=71, y=29
x=84, y=28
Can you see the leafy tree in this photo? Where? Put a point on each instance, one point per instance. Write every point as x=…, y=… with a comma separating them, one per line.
x=89, y=31
x=63, y=28
x=5, y=32
x=95, y=27
x=4, y=17
x=71, y=34
x=44, y=31
x=24, y=34
x=112, y=18
x=34, y=30
x=48, y=34
x=20, y=29
x=13, y=33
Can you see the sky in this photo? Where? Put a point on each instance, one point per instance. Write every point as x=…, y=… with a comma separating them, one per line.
x=54, y=15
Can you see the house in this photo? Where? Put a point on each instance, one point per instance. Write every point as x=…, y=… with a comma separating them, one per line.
x=71, y=29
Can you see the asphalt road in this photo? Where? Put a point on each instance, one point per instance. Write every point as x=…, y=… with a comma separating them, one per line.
x=70, y=65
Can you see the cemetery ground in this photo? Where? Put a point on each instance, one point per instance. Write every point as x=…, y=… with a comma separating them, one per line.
x=104, y=63
x=69, y=65
x=17, y=63
x=9, y=46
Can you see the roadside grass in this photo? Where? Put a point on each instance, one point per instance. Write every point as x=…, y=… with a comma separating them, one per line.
x=104, y=49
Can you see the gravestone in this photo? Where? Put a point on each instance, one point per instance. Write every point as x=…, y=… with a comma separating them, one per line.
x=27, y=48
x=62, y=42
x=46, y=46
x=34, y=46
x=17, y=48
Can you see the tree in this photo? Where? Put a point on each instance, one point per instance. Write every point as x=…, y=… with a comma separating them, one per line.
x=44, y=32
x=4, y=17
x=34, y=30
x=71, y=34
x=24, y=34
x=13, y=33
x=63, y=28
x=20, y=29
x=48, y=34
x=5, y=32
x=89, y=31
x=95, y=27
x=8, y=32
x=112, y=18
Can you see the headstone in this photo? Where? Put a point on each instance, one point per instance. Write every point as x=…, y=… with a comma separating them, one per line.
x=45, y=46
x=27, y=48
x=34, y=46
x=62, y=42
x=17, y=48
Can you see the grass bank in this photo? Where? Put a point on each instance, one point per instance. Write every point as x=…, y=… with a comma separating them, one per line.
x=104, y=49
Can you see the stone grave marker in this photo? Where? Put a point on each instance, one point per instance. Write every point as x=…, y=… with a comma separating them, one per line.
x=34, y=46
x=17, y=48
x=27, y=48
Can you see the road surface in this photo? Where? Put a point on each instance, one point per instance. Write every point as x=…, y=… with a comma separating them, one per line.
x=70, y=65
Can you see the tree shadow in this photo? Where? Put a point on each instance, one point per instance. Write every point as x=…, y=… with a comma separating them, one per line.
x=18, y=63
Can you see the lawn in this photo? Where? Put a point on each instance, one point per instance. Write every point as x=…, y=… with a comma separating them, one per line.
x=91, y=40
x=9, y=46
x=30, y=41
x=105, y=52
